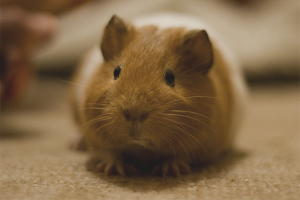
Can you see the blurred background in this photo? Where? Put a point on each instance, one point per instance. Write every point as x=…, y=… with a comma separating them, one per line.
x=42, y=43
x=263, y=34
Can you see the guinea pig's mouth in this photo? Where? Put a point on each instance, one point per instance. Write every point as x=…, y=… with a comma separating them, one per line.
x=136, y=136
x=139, y=140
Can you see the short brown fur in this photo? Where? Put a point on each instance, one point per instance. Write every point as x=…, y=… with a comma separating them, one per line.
x=186, y=124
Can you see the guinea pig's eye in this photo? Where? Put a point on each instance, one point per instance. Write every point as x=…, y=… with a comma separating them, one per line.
x=170, y=78
x=117, y=72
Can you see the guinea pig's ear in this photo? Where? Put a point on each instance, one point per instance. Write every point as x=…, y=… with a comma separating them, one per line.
x=114, y=38
x=196, y=51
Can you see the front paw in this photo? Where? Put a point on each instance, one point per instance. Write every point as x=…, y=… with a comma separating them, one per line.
x=174, y=168
x=116, y=166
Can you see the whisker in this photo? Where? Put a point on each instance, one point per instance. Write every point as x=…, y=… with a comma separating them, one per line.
x=184, y=98
x=101, y=127
x=113, y=134
x=191, y=137
x=100, y=118
x=190, y=147
x=92, y=108
x=170, y=143
x=171, y=134
x=99, y=104
x=198, y=115
x=92, y=89
x=176, y=122
x=193, y=119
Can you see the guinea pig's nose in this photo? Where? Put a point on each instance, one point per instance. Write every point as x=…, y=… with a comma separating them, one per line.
x=138, y=116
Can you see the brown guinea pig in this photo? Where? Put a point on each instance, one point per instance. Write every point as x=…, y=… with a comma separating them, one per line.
x=165, y=95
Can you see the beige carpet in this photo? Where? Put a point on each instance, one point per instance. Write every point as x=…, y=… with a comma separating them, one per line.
x=36, y=163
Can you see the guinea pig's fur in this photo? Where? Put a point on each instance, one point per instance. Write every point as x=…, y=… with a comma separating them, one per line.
x=174, y=102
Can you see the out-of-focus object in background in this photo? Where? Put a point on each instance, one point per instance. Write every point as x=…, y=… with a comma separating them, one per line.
x=25, y=26
x=53, y=6
x=21, y=32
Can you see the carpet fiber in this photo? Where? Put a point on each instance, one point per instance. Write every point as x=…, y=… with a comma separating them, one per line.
x=37, y=164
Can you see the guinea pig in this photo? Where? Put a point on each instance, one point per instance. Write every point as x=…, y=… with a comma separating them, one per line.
x=164, y=93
